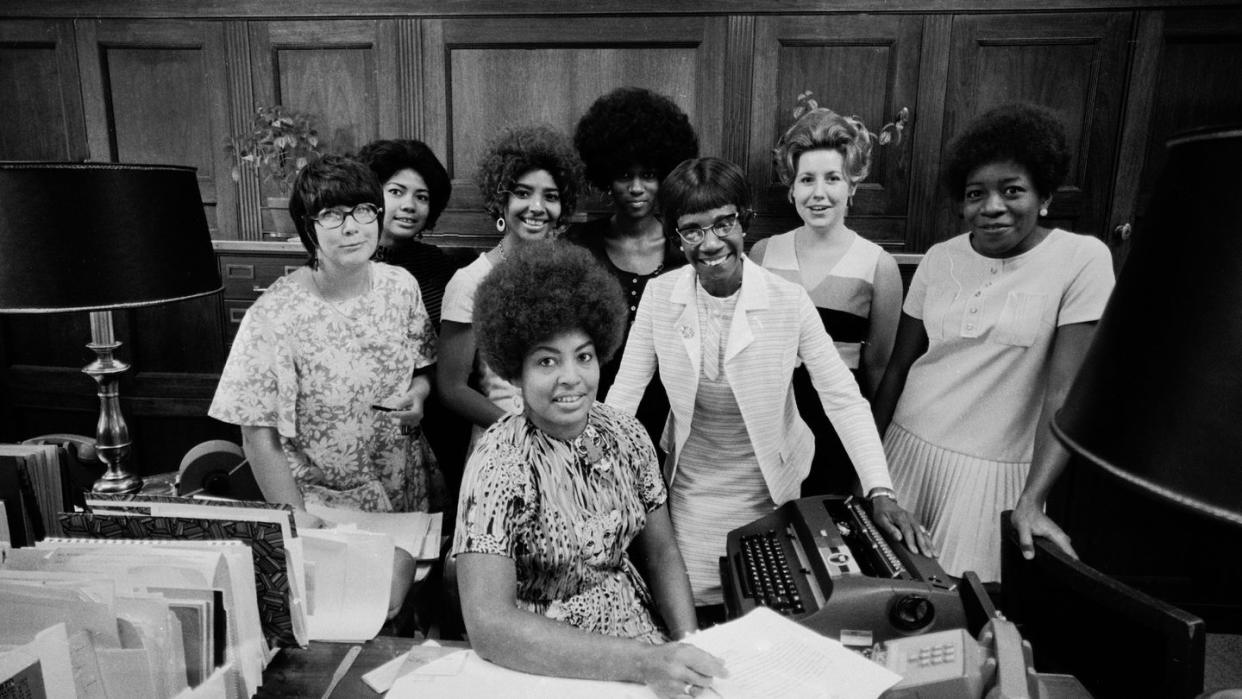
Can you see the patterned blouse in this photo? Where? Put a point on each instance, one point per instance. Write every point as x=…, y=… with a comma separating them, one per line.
x=566, y=512
x=312, y=369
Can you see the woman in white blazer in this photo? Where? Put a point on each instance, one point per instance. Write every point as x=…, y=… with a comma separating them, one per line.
x=726, y=351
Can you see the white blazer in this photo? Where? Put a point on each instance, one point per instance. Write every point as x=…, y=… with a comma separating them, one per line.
x=774, y=326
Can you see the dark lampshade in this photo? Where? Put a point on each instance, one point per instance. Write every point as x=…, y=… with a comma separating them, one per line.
x=96, y=236
x=1158, y=400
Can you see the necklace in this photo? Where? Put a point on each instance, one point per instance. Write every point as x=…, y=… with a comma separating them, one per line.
x=500, y=251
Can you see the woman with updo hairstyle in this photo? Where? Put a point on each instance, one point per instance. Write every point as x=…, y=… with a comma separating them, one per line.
x=993, y=330
x=630, y=139
x=416, y=189
x=555, y=496
x=530, y=178
x=854, y=284
x=726, y=335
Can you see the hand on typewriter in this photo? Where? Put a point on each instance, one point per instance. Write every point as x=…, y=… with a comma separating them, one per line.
x=680, y=670
x=900, y=525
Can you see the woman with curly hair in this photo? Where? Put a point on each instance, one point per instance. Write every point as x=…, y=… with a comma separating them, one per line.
x=854, y=284
x=994, y=327
x=629, y=140
x=416, y=189
x=530, y=179
x=726, y=335
x=554, y=495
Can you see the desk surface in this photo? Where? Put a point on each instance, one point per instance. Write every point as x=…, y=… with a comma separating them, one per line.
x=306, y=672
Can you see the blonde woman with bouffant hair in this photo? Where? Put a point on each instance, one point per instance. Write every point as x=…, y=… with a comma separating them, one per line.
x=854, y=284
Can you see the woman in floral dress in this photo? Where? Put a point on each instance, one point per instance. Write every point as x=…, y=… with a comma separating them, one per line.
x=555, y=496
x=322, y=375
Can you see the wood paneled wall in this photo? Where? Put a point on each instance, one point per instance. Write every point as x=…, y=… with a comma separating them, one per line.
x=169, y=81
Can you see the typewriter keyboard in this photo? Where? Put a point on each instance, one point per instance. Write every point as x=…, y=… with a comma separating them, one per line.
x=769, y=577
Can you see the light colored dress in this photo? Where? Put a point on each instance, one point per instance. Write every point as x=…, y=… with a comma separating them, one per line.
x=963, y=433
x=458, y=307
x=719, y=486
x=312, y=369
x=566, y=512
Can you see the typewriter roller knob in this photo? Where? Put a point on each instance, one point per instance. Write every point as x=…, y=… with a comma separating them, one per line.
x=912, y=613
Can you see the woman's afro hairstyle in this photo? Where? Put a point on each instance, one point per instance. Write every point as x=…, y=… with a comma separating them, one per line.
x=633, y=126
x=519, y=150
x=544, y=289
x=1025, y=134
x=331, y=180
x=388, y=157
x=824, y=129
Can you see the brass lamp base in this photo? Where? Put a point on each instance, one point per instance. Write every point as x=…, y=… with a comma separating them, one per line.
x=111, y=433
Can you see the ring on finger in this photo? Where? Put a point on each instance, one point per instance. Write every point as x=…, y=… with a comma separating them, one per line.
x=688, y=690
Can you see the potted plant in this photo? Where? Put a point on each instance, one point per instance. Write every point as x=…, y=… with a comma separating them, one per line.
x=278, y=144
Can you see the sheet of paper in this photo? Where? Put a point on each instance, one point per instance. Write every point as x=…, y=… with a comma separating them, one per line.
x=767, y=654
x=417, y=533
x=349, y=576
x=50, y=649
x=465, y=674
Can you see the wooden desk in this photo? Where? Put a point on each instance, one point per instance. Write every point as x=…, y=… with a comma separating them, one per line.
x=304, y=673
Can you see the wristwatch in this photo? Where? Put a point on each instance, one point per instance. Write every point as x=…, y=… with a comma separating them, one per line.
x=882, y=492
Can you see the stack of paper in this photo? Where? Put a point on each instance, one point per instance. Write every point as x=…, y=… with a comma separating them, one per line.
x=33, y=488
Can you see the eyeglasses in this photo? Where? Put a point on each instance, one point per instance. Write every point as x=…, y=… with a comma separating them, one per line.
x=335, y=218
x=722, y=228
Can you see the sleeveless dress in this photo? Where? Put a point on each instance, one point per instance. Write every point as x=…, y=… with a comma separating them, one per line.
x=843, y=300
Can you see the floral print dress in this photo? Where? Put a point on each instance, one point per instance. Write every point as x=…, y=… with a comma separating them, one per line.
x=566, y=512
x=312, y=369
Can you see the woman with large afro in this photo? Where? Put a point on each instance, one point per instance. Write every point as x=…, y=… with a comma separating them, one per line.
x=994, y=327
x=530, y=178
x=630, y=139
x=557, y=496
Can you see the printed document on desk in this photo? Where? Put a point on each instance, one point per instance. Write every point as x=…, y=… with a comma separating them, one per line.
x=348, y=578
x=417, y=533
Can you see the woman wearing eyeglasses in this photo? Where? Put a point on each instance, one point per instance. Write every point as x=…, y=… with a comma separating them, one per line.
x=320, y=349
x=726, y=335
x=530, y=178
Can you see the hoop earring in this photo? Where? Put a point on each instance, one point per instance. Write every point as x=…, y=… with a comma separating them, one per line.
x=500, y=224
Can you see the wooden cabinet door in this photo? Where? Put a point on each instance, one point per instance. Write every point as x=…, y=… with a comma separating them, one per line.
x=1072, y=64
x=861, y=65
x=480, y=75
x=41, y=113
x=155, y=91
x=1185, y=75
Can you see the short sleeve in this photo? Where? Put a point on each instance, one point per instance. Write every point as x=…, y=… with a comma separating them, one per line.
x=458, y=305
x=495, y=503
x=1088, y=291
x=917, y=293
x=258, y=386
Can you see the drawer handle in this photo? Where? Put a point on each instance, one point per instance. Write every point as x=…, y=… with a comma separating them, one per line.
x=236, y=315
x=239, y=271
x=258, y=289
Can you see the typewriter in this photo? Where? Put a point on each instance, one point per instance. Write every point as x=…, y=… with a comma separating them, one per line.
x=822, y=562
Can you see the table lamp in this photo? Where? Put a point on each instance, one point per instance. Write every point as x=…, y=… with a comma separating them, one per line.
x=96, y=237
x=1157, y=402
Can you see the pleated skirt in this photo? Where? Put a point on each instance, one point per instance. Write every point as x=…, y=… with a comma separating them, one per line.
x=959, y=498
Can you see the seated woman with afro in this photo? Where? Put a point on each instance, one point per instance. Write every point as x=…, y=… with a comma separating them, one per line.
x=554, y=496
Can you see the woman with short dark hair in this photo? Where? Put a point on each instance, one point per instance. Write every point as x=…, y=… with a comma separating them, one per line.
x=416, y=189
x=319, y=349
x=726, y=335
x=994, y=327
x=555, y=496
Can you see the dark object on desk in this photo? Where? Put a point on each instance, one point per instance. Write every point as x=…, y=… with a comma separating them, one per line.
x=136, y=236
x=820, y=560
x=82, y=463
x=1118, y=641
x=218, y=467
x=1155, y=407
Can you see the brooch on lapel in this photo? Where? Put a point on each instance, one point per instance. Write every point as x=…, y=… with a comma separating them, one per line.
x=687, y=332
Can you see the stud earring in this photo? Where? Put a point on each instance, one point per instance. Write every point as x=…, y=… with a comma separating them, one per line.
x=849, y=202
x=518, y=405
x=500, y=224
